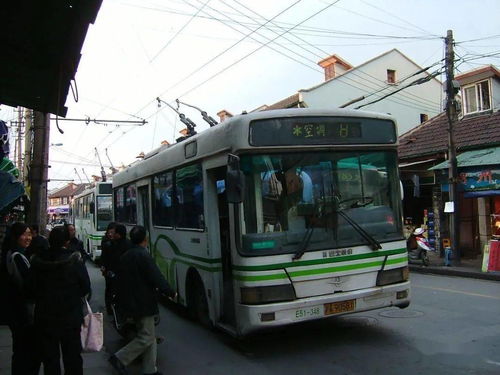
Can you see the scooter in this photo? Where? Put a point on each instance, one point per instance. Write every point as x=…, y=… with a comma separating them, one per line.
x=418, y=248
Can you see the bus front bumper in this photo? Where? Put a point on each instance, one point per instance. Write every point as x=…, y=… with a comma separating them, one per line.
x=255, y=317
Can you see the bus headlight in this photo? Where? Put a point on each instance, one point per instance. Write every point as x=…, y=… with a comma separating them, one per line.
x=267, y=294
x=397, y=275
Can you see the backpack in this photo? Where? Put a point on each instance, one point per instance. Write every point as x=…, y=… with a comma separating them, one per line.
x=12, y=269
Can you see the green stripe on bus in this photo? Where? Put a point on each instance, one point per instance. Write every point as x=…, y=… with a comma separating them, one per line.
x=180, y=253
x=94, y=237
x=318, y=271
x=277, y=266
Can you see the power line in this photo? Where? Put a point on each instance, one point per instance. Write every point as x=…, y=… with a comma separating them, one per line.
x=414, y=83
x=325, y=53
x=179, y=31
x=386, y=12
x=478, y=39
x=257, y=49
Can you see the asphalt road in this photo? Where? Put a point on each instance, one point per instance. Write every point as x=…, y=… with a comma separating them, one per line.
x=451, y=327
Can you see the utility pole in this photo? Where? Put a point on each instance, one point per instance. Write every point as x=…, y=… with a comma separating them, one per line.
x=451, y=113
x=20, y=141
x=28, y=145
x=39, y=170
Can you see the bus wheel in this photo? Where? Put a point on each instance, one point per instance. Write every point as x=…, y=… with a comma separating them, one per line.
x=197, y=302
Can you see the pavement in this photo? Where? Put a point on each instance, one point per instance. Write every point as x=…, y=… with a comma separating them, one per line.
x=467, y=268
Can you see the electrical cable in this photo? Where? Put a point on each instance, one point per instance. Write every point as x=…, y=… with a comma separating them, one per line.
x=424, y=101
x=179, y=31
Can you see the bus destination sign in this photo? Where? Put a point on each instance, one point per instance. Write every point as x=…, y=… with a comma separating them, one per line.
x=320, y=131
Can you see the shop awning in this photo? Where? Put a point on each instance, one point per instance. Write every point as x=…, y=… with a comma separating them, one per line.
x=11, y=189
x=485, y=156
x=404, y=165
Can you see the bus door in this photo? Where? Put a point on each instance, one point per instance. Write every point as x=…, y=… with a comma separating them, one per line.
x=216, y=178
x=143, y=217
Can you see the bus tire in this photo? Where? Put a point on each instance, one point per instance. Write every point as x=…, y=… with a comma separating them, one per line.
x=197, y=305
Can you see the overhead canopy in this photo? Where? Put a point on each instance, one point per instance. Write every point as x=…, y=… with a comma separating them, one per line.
x=485, y=156
x=11, y=190
x=41, y=43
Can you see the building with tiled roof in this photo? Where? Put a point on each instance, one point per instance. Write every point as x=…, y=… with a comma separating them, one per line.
x=60, y=199
x=424, y=171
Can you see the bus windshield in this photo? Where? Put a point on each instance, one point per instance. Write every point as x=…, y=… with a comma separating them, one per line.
x=319, y=200
x=104, y=211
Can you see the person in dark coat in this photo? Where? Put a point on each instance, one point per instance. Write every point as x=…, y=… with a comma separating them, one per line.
x=58, y=281
x=38, y=242
x=16, y=308
x=110, y=260
x=139, y=279
x=74, y=243
x=106, y=253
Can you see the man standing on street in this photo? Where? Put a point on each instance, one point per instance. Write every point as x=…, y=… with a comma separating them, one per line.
x=74, y=243
x=138, y=280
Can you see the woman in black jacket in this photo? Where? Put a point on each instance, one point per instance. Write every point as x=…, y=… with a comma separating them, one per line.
x=16, y=308
x=59, y=281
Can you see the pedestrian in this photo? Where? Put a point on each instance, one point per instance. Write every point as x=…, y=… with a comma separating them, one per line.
x=138, y=280
x=74, y=243
x=38, y=242
x=17, y=308
x=106, y=255
x=58, y=282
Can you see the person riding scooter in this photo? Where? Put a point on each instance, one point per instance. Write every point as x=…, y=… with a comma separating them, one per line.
x=418, y=246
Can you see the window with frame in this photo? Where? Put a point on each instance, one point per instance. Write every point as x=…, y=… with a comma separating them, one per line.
x=131, y=204
x=119, y=205
x=189, y=194
x=477, y=97
x=164, y=197
x=391, y=76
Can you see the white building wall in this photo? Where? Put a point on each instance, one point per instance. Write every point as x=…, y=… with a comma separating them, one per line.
x=370, y=77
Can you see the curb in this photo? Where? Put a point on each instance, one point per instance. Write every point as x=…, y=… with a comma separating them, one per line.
x=495, y=276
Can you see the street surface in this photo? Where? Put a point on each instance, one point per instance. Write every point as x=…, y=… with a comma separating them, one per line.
x=451, y=327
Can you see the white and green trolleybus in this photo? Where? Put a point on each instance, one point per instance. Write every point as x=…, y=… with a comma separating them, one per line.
x=92, y=211
x=275, y=217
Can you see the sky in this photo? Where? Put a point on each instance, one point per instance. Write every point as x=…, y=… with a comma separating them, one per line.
x=236, y=55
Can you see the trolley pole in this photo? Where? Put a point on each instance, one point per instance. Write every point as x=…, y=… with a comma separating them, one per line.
x=451, y=113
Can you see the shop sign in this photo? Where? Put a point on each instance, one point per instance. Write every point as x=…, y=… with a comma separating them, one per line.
x=479, y=178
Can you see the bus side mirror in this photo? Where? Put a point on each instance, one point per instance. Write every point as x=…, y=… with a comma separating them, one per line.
x=401, y=190
x=235, y=180
x=92, y=207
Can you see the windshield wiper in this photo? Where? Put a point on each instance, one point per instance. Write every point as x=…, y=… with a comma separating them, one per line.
x=375, y=245
x=368, y=237
x=304, y=244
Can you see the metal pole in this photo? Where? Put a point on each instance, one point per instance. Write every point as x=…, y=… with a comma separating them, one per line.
x=19, y=142
x=27, y=148
x=39, y=170
x=451, y=113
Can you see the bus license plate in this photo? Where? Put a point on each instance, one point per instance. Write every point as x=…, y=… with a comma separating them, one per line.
x=340, y=307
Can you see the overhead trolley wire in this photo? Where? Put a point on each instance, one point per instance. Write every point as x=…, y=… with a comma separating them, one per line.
x=411, y=97
x=179, y=31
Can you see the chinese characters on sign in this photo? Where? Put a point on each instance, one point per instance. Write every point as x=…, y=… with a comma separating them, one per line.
x=336, y=130
x=336, y=253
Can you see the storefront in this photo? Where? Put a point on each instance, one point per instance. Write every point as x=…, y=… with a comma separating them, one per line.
x=478, y=197
x=58, y=212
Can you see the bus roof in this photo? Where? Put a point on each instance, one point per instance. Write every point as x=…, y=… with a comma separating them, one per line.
x=230, y=136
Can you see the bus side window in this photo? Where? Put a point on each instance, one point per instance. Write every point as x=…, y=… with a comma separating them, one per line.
x=189, y=188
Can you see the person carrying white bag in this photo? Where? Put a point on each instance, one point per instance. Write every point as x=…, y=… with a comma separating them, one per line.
x=58, y=281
